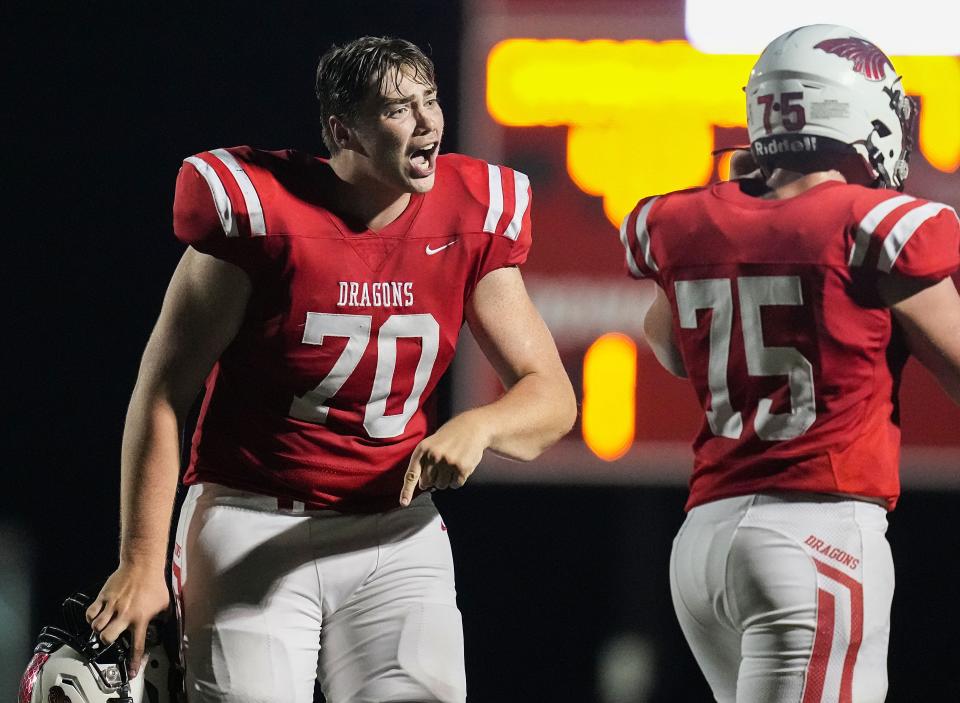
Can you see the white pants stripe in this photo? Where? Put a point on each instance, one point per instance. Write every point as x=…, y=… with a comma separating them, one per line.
x=839, y=612
x=786, y=598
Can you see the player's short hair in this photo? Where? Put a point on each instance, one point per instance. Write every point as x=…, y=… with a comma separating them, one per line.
x=346, y=74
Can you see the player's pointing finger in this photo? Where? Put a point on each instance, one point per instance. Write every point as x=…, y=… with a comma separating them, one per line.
x=411, y=478
x=138, y=636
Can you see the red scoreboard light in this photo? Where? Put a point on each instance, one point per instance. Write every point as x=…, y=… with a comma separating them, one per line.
x=602, y=103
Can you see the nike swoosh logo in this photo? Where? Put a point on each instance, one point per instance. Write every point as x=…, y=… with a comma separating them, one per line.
x=431, y=251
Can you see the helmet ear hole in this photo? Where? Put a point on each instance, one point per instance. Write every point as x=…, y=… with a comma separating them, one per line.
x=882, y=129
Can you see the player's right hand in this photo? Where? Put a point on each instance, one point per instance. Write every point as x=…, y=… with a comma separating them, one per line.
x=743, y=165
x=129, y=600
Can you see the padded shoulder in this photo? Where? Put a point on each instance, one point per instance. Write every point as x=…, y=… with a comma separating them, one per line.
x=227, y=174
x=894, y=232
x=635, y=238
x=493, y=199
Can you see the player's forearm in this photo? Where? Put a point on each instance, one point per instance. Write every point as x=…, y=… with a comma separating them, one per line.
x=940, y=355
x=150, y=462
x=658, y=330
x=202, y=311
x=669, y=358
x=929, y=315
x=533, y=414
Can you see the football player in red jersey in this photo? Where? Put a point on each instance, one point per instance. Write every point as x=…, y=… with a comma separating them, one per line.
x=791, y=301
x=322, y=300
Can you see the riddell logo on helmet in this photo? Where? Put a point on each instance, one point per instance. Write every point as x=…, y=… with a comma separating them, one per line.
x=867, y=59
x=784, y=145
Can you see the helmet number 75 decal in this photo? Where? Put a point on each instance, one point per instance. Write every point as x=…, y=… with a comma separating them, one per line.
x=793, y=115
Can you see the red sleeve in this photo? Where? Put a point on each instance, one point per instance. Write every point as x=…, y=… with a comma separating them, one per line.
x=635, y=238
x=909, y=236
x=925, y=243
x=508, y=220
x=195, y=218
x=211, y=214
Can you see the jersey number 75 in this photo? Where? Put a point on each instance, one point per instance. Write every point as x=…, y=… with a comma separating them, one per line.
x=754, y=292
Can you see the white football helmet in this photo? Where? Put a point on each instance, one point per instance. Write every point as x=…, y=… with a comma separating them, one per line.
x=825, y=89
x=70, y=665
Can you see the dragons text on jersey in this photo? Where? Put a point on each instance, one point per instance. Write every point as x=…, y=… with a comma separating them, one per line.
x=379, y=294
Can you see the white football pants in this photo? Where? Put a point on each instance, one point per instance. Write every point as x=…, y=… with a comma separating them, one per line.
x=270, y=600
x=786, y=598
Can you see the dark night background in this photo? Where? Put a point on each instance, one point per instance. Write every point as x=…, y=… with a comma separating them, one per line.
x=103, y=103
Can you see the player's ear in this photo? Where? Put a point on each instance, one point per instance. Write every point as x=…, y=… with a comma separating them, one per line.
x=343, y=135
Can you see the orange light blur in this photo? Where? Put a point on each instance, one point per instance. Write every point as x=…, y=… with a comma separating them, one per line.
x=936, y=79
x=609, y=395
x=641, y=114
x=723, y=165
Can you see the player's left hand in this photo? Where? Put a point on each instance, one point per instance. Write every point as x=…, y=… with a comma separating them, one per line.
x=447, y=458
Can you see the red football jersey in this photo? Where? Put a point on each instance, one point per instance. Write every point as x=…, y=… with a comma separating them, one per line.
x=327, y=388
x=793, y=356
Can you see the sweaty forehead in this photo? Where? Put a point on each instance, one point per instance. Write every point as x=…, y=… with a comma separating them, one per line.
x=402, y=83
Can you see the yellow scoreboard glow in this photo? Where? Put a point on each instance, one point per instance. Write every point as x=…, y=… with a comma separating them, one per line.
x=609, y=395
x=642, y=113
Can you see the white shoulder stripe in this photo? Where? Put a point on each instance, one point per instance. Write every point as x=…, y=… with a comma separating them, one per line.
x=631, y=262
x=258, y=226
x=869, y=224
x=495, y=208
x=521, y=186
x=220, y=198
x=643, y=236
x=894, y=242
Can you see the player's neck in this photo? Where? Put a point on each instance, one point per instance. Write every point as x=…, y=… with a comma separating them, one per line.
x=366, y=199
x=785, y=184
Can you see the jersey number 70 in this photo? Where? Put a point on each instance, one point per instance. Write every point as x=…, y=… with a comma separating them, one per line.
x=754, y=292
x=311, y=406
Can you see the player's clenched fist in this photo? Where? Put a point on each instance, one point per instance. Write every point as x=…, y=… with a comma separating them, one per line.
x=445, y=459
x=129, y=600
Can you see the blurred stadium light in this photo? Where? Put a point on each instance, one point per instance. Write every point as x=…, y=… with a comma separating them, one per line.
x=665, y=100
x=627, y=669
x=920, y=28
x=609, y=395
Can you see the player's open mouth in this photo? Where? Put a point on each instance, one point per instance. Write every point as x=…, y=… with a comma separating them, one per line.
x=424, y=160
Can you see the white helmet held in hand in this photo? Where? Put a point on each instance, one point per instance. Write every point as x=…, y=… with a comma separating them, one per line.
x=70, y=665
x=823, y=94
